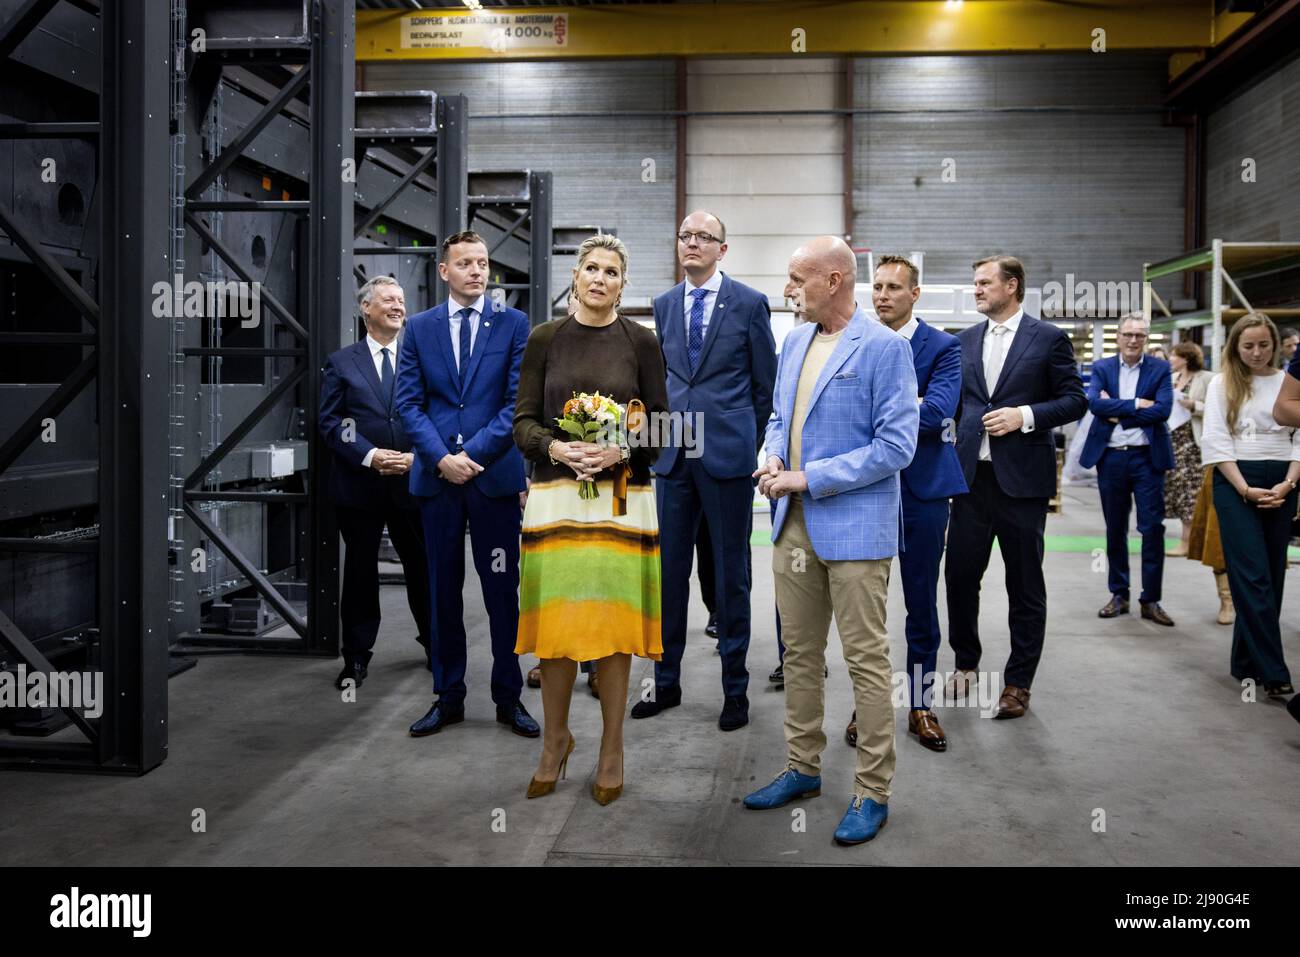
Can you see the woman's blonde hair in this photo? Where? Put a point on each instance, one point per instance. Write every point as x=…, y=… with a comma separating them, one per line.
x=1236, y=374
x=602, y=241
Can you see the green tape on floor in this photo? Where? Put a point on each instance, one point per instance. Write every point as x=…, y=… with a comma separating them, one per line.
x=1053, y=543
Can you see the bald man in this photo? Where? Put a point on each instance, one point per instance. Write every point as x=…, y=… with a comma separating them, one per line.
x=846, y=424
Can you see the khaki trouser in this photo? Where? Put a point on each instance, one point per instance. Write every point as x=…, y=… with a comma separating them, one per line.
x=808, y=590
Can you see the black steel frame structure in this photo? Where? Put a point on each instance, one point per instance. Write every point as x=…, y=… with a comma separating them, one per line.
x=514, y=206
x=322, y=52
x=123, y=359
x=422, y=133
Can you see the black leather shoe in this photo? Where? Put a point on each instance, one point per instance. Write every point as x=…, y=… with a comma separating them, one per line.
x=735, y=713
x=777, y=677
x=520, y=721
x=1279, y=690
x=1152, y=611
x=439, y=716
x=664, y=698
x=1114, y=608
x=711, y=629
x=354, y=670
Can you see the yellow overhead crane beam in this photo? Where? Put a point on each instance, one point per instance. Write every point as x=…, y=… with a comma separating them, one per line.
x=1224, y=26
x=792, y=28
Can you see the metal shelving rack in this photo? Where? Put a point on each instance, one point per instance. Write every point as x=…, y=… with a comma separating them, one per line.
x=1228, y=264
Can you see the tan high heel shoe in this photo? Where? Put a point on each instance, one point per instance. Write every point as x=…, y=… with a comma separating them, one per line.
x=605, y=796
x=538, y=788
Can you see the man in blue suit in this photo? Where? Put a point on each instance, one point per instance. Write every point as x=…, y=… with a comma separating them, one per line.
x=371, y=456
x=933, y=477
x=456, y=386
x=845, y=426
x=1019, y=381
x=716, y=336
x=1130, y=396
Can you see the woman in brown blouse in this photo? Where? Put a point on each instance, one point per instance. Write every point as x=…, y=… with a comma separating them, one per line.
x=589, y=567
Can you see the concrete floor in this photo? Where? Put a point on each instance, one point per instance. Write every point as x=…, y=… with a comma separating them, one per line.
x=1138, y=721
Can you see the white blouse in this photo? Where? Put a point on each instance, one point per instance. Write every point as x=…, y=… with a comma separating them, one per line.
x=1257, y=437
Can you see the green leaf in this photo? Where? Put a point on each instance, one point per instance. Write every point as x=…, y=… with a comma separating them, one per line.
x=573, y=429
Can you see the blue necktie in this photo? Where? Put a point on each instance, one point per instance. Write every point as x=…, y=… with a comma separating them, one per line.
x=464, y=342
x=386, y=378
x=695, y=341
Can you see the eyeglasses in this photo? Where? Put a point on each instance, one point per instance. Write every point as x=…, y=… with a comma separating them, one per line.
x=702, y=238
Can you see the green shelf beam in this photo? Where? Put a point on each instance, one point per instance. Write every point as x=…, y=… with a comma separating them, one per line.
x=1192, y=260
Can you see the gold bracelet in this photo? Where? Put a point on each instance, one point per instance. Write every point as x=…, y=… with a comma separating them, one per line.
x=549, y=454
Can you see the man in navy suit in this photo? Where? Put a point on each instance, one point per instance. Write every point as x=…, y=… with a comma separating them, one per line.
x=933, y=477
x=1019, y=381
x=457, y=379
x=716, y=336
x=1130, y=396
x=368, y=476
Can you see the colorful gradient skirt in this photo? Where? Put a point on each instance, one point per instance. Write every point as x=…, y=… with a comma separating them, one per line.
x=588, y=579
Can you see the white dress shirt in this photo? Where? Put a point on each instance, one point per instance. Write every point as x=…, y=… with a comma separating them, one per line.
x=1256, y=437
x=909, y=328
x=377, y=356
x=453, y=319
x=990, y=341
x=712, y=284
x=1128, y=384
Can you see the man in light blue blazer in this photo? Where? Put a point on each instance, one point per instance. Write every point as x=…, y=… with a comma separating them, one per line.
x=845, y=425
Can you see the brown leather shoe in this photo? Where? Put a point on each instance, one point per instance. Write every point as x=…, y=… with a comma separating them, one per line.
x=925, y=726
x=1152, y=611
x=959, y=684
x=1013, y=703
x=851, y=732
x=1114, y=608
x=535, y=677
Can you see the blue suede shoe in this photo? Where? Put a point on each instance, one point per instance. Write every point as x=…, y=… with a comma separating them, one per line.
x=789, y=784
x=861, y=822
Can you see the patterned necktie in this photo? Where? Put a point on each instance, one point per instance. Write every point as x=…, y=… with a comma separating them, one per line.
x=695, y=341
x=997, y=355
x=464, y=342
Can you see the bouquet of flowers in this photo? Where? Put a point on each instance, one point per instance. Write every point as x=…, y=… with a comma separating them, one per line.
x=592, y=418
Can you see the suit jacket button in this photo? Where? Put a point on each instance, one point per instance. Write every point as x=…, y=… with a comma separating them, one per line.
x=462, y=405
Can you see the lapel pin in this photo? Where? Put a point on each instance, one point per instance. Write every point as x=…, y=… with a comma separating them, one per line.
x=486, y=324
